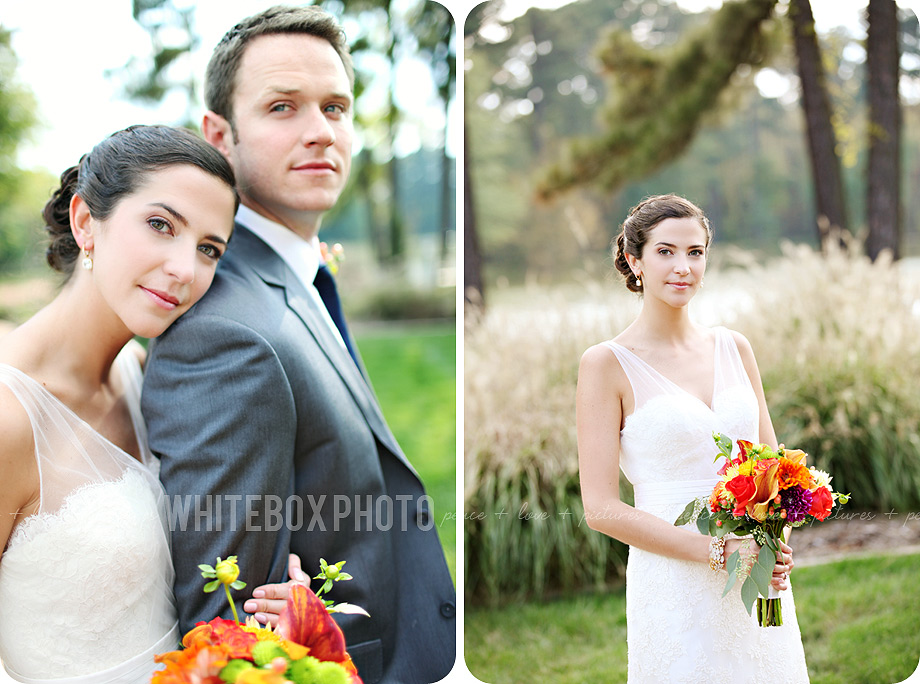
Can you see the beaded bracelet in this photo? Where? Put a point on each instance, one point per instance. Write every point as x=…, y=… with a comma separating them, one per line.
x=716, y=553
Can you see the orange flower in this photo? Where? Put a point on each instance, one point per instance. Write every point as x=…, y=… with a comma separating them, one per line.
x=196, y=665
x=221, y=632
x=794, y=455
x=259, y=676
x=715, y=499
x=767, y=487
x=792, y=473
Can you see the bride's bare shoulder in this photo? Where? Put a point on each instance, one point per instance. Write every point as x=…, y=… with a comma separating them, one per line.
x=744, y=346
x=599, y=362
x=17, y=462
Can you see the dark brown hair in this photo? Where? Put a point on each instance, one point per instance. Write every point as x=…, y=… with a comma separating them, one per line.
x=220, y=77
x=639, y=223
x=117, y=167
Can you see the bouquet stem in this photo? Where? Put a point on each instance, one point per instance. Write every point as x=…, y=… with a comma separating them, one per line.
x=232, y=604
x=770, y=610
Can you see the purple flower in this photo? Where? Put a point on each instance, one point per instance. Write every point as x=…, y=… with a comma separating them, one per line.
x=797, y=502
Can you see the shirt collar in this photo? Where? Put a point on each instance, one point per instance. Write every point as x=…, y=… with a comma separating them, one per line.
x=302, y=256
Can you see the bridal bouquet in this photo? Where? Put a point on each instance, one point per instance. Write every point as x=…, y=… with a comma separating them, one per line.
x=307, y=647
x=759, y=494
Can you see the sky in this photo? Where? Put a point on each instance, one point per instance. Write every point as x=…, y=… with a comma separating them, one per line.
x=64, y=62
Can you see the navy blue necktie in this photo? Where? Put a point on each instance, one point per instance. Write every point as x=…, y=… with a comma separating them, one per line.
x=325, y=285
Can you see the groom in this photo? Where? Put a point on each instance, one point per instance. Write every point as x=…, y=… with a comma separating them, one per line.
x=269, y=434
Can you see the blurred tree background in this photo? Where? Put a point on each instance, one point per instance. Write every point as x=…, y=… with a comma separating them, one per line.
x=397, y=215
x=575, y=114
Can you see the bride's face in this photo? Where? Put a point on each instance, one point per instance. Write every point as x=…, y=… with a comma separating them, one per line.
x=674, y=260
x=156, y=253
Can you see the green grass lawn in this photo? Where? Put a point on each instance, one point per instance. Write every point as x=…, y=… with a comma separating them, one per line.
x=860, y=622
x=413, y=370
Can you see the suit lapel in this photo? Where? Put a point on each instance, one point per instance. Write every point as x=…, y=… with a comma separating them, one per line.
x=272, y=269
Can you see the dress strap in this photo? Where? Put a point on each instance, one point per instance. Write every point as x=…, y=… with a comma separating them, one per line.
x=645, y=381
x=730, y=371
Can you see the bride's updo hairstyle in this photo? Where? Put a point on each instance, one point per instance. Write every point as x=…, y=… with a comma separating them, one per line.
x=117, y=167
x=642, y=219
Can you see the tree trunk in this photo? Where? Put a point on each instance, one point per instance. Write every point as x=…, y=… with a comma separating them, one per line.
x=825, y=164
x=883, y=205
x=473, y=294
x=448, y=211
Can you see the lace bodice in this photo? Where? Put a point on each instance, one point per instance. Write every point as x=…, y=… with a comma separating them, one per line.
x=86, y=582
x=680, y=629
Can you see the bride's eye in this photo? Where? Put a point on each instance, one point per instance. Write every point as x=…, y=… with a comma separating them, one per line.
x=158, y=224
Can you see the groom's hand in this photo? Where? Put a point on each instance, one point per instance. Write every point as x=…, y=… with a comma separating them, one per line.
x=269, y=600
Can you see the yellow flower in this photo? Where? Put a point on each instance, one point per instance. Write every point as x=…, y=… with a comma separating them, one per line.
x=228, y=570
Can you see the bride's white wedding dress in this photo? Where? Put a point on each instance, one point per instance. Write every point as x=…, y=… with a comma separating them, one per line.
x=86, y=583
x=679, y=627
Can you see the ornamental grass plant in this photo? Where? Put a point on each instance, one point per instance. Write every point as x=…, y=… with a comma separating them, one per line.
x=524, y=529
x=837, y=339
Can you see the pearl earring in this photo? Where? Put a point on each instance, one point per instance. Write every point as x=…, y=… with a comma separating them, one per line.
x=87, y=260
x=639, y=280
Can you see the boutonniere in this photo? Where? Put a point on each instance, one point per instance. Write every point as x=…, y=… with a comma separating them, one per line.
x=332, y=256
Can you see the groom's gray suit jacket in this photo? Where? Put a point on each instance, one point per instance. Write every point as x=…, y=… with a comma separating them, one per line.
x=271, y=440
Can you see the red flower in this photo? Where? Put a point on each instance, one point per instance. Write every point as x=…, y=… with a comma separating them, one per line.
x=821, y=503
x=306, y=621
x=743, y=489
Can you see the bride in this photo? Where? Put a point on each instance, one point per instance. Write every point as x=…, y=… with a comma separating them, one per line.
x=85, y=574
x=648, y=402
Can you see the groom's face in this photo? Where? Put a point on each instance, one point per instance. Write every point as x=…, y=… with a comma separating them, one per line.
x=292, y=127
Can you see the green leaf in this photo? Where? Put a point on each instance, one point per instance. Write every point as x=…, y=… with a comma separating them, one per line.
x=239, y=584
x=724, y=444
x=687, y=515
x=772, y=545
x=732, y=578
x=702, y=522
x=327, y=585
x=345, y=576
x=211, y=586
x=762, y=574
x=206, y=568
x=748, y=594
x=731, y=565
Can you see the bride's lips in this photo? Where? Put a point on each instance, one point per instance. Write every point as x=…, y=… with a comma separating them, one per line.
x=680, y=286
x=162, y=299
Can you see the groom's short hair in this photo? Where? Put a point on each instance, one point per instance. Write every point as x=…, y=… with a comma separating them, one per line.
x=220, y=77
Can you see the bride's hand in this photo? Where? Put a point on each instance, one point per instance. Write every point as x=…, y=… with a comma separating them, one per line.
x=784, y=562
x=269, y=600
x=783, y=567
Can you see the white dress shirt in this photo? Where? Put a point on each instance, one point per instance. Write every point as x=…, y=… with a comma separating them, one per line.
x=302, y=257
